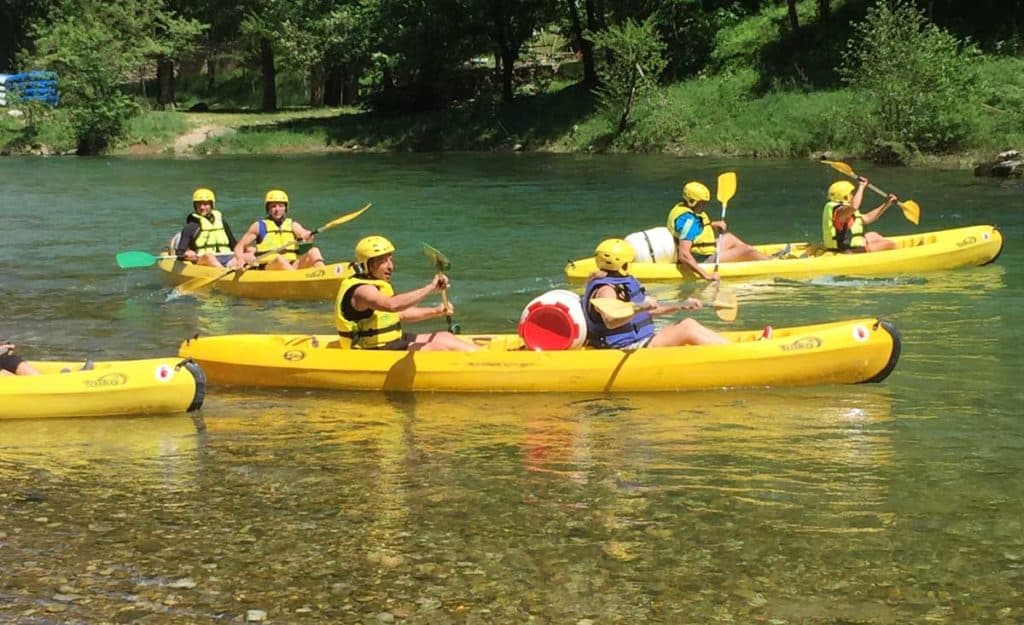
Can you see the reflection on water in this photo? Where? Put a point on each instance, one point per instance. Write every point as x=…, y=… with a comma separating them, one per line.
x=438, y=508
x=891, y=503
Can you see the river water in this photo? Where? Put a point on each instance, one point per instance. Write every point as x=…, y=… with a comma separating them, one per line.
x=891, y=503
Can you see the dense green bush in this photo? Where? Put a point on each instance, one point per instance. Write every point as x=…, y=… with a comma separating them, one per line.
x=921, y=84
x=633, y=61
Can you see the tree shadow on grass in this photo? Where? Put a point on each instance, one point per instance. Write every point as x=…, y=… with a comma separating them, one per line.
x=528, y=122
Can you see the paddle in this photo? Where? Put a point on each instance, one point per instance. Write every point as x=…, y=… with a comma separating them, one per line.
x=726, y=189
x=725, y=307
x=911, y=209
x=196, y=284
x=135, y=258
x=441, y=264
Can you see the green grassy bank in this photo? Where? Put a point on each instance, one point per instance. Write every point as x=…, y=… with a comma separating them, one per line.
x=715, y=116
x=762, y=94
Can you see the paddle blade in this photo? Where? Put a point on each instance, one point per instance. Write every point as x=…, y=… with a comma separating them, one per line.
x=197, y=284
x=614, y=309
x=438, y=259
x=911, y=210
x=343, y=219
x=134, y=258
x=841, y=167
x=726, y=306
x=726, y=187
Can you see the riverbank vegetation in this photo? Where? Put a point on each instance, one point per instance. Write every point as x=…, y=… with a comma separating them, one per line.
x=894, y=80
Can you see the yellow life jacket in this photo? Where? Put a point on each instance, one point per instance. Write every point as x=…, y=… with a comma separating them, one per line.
x=704, y=244
x=274, y=237
x=212, y=236
x=367, y=329
x=849, y=238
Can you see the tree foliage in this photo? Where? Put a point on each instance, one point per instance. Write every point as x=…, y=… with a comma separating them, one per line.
x=634, y=60
x=921, y=83
x=96, y=46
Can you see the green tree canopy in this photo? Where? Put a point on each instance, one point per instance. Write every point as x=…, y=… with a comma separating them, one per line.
x=921, y=83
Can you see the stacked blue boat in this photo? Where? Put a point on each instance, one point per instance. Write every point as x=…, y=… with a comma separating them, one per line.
x=34, y=86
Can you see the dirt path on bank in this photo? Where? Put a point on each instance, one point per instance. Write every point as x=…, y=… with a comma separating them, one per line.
x=184, y=144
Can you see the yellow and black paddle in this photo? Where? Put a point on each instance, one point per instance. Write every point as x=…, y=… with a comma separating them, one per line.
x=725, y=306
x=442, y=264
x=911, y=209
x=196, y=284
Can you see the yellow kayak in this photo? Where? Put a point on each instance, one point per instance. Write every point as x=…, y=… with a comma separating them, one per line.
x=103, y=389
x=929, y=251
x=861, y=350
x=316, y=283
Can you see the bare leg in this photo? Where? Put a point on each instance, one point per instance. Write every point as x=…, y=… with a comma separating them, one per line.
x=441, y=342
x=248, y=258
x=279, y=263
x=210, y=260
x=312, y=258
x=26, y=369
x=687, y=332
x=874, y=242
x=735, y=249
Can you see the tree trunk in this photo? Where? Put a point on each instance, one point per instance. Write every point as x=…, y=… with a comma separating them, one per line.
x=333, y=86
x=506, y=56
x=350, y=85
x=824, y=11
x=585, y=47
x=165, y=83
x=794, y=19
x=595, y=22
x=316, y=86
x=211, y=72
x=269, y=76
x=508, y=64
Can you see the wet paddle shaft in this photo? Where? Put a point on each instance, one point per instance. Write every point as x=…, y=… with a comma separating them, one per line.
x=442, y=264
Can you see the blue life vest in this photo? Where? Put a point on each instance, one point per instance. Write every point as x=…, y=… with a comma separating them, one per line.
x=640, y=327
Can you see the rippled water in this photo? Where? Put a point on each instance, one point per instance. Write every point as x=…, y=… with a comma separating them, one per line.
x=891, y=503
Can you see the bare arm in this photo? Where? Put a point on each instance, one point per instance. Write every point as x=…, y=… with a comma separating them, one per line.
x=368, y=297
x=300, y=232
x=656, y=308
x=858, y=195
x=873, y=215
x=686, y=258
x=422, y=313
x=247, y=239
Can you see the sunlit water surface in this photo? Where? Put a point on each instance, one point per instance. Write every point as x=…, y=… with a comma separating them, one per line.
x=892, y=503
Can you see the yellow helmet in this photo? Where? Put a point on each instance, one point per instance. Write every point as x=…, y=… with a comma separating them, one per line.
x=841, y=191
x=203, y=195
x=275, y=195
x=372, y=247
x=694, y=192
x=614, y=255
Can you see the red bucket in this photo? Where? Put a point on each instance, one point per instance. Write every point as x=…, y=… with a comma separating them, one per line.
x=553, y=321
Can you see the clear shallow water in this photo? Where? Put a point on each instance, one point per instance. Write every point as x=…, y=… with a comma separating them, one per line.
x=898, y=502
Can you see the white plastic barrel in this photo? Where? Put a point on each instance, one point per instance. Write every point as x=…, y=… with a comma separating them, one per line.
x=553, y=321
x=654, y=245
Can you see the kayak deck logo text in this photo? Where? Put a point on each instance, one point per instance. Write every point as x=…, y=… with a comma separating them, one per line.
x=807, y=342
x=293, y=355
x=110, y=379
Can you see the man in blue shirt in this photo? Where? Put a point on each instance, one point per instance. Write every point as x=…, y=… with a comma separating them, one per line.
x=694, y=232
